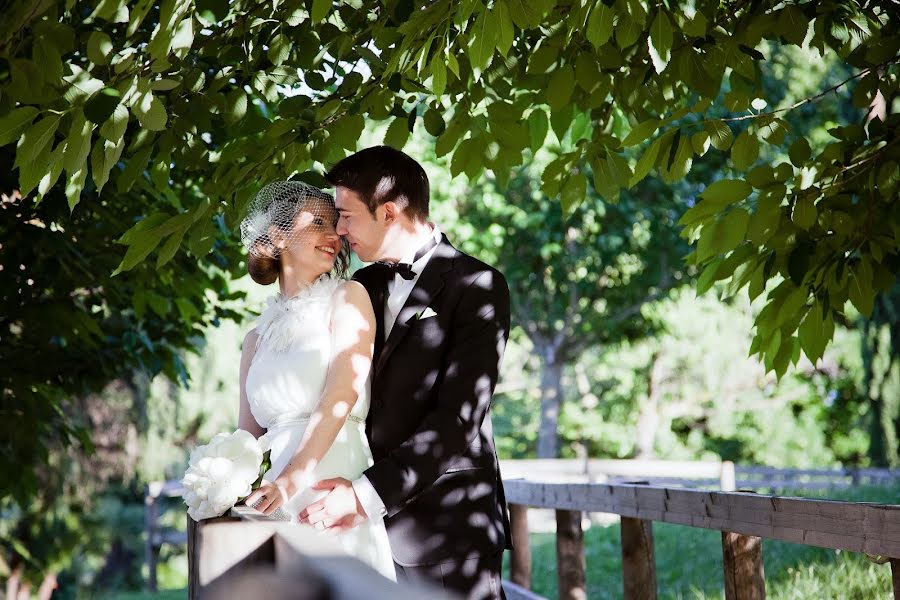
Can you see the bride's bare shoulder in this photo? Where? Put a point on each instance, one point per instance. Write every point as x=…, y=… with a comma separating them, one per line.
x=250, y=340
x=352, y=293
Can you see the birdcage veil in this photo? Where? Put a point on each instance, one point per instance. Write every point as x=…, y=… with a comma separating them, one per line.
x=271, y=222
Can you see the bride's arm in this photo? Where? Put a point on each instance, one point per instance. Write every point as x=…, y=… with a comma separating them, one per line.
x=353, y=339
x=245, y=417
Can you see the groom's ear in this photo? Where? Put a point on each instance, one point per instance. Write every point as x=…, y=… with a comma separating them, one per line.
x=391, y=211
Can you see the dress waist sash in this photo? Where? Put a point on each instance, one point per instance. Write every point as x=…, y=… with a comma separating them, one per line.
x=298, y=418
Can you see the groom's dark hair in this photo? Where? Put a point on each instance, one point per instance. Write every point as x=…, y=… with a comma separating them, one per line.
x=383, y=174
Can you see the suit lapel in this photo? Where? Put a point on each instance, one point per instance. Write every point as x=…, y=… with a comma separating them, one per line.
x=428, y=285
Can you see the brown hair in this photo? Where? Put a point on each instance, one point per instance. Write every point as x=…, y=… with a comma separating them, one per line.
x=383, y=174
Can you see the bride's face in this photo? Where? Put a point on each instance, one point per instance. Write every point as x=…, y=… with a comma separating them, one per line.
x=313, y=239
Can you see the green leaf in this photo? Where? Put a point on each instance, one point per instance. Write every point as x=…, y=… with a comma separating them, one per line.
x=761, y=176
x=641, y=132
x=724, y=235
x=660, y=41
x=235, y=107
x=212, y=11
x=102, y=104
x=504, y=25
x=799, y=152
x=438, y=75
x=104, y=156
x=434, y=122
x=805, y=214
x=745, y=151
x=134, y=168
x=37, y=139
x=648, y=159
x=203, y=236
x=279, y=49
x=573, y=193
x=696, y=26
x=55, y=168
x=600, y=25
x=813, y=333
x=719, y=134
x=15, y=122
x=99, y=48
x=74, y=186
x=168, y=250
x=862, y=292
x=397, y=133
x=560, y=87
x=727, y=191
x=114, y=127
x=561, y=120
x=627, y=32
x=538, y=126
x=709, y=276
x=483, y=41
x=700, y=142
x=78, y=145
x=774, y=131
x=150, y=111
x=888, y=178
x=320, y=10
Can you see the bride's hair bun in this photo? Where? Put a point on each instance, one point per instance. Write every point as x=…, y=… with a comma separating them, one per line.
x=263, y=269
x=262, y=263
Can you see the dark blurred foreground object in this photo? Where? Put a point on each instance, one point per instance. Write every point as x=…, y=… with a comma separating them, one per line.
x=231, y=557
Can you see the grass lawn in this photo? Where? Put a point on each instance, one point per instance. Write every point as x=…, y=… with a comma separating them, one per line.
x=689, y=563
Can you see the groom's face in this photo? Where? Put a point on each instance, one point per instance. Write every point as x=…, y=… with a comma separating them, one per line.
x=364, y=231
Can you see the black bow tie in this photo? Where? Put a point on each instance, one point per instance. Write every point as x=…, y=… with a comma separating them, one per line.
x=404, y=270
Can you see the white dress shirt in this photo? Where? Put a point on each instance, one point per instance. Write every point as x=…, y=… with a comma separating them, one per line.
x=399, y=290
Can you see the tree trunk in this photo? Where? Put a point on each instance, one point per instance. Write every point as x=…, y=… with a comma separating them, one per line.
x=881, y=369
x=649, y=416
x=551, y=403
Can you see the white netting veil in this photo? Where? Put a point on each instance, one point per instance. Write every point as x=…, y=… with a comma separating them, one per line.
x=283, y=213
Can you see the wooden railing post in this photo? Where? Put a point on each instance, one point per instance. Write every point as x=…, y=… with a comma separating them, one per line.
x=638, y=562
x=520, y=557
x=570, y=565
x=151, y=551
x=895, y=576
x=743, y=564
x=727, y=479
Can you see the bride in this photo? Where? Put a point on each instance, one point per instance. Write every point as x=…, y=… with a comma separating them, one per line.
x=305, y=368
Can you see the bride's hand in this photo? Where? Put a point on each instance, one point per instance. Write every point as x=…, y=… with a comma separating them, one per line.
x=270, y=495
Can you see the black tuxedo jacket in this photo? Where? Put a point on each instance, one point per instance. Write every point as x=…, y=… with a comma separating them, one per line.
x=429, y=427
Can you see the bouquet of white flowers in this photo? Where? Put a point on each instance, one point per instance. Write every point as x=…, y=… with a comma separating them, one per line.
x=224, y=472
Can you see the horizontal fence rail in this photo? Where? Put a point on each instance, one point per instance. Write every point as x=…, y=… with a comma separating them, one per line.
x=725, y=475
x=744, y=519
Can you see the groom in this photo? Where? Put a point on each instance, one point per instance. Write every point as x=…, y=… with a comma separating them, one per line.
x=442, y=325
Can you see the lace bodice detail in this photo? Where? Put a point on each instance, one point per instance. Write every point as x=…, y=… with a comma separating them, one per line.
x=294, y=349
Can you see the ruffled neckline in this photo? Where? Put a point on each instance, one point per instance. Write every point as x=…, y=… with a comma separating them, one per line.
x=283, y=320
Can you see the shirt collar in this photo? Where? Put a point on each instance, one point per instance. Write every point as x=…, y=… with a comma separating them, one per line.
x=419, y=264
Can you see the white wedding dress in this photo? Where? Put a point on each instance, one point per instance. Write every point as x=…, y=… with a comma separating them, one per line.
x=284, y=384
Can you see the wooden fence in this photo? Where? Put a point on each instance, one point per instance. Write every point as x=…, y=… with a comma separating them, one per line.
x=574, y=486
x=744, y=519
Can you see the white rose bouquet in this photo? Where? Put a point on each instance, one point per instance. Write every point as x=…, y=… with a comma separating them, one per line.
x=224, y=472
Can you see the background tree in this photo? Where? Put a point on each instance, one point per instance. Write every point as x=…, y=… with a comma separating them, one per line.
x=576, y=283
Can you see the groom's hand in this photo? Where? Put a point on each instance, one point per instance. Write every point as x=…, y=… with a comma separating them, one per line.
x=338, y=511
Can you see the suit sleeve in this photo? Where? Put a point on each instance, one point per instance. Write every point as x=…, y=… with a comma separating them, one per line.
x=470, y=371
